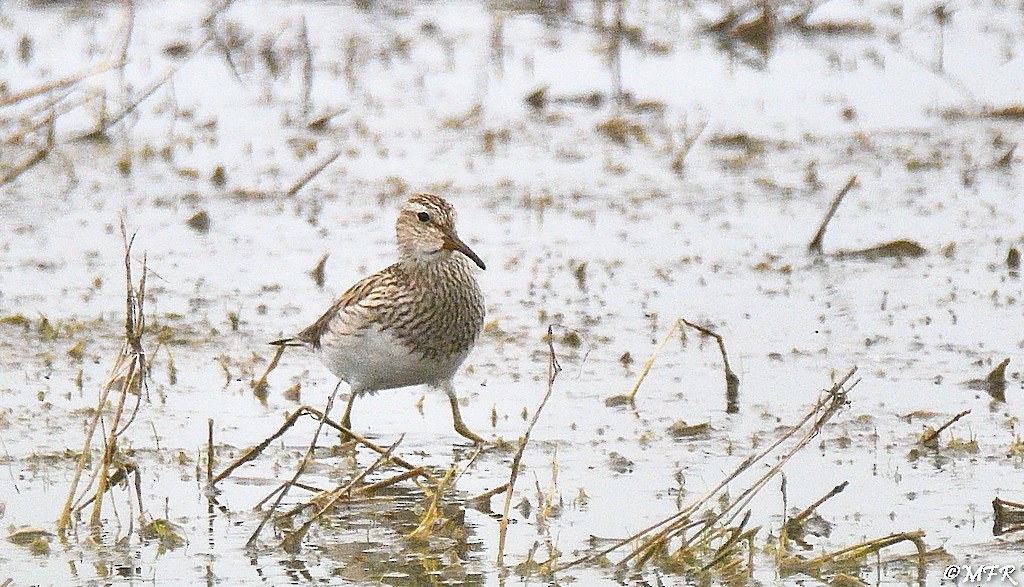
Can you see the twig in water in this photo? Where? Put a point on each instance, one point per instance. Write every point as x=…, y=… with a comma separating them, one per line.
x=792, y=525
x=732, y=381
x=298, y=471
x=307, y=72
x=815, y=244
x=259, y=386
x=301, y=183
x=209, y=453
x=482, y=502
x=293, y=539
x=24, y=166
x=129, y=373
x=930, y=438
x=656, y=535
x=553, y=370
x=426, y=525
x=57, y=84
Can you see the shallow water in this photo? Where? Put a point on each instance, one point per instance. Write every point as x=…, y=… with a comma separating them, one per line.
x=599, y=232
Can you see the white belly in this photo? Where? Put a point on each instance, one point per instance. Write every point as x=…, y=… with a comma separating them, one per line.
x=372, y=360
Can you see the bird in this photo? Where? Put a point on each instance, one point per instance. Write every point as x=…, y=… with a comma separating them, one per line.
x=412, y=323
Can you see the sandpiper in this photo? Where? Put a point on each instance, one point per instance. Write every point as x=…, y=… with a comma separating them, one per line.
x=412, y=323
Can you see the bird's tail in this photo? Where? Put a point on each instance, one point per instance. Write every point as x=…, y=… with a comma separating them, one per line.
x=290, y=341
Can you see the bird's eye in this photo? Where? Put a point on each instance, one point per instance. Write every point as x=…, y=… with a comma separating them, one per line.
x=423, y=216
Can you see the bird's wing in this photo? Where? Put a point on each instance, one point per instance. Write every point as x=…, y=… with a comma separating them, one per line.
x=355, y=309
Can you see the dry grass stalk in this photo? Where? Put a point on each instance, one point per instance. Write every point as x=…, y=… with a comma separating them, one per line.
x=432, y=514
x=793, y=524
x=1007, y=516
x=653, y=541
x=63, y=82
x=326, y=502
x=127, y=375
x=255, y=451
x=308, y=177
x=282, y=491
x=815, y=246
x=732, y=381
x=930, y=438
x=553, y=370
x=855, y=555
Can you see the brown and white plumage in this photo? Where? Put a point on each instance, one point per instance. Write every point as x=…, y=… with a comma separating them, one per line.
x=412, y=323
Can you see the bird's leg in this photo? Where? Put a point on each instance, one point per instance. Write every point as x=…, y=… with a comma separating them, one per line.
x=346, y=419
x=460, y=426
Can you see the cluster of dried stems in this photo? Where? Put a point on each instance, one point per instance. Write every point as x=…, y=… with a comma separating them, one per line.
x=32, y=114
x=127, y=378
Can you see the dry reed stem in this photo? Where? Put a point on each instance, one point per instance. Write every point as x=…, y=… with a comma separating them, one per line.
x=815, y=245
x=25, y=165
x=485, y=497
x=307, y=71
x=129, y=371
x=393, y=480
x=259, y=386
x=553, y=370
x=293, y=539
x=935, y=434
x=814, y=506
x=209, y=453
x=732, y=381
x=426, y=525
x=660, y=532
x=862, y=549
x=283, y=490
x=63, y=82
x=255, y=451
x=308, y=177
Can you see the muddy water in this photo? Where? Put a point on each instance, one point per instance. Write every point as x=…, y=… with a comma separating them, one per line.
x=667, y=171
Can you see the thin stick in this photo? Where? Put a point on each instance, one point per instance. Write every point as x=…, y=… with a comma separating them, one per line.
x=253, y=452
x=301, y=183
x=375, y=447
x=869, y=546
x=631, y=395
x=810, y=509
x=553, y=370
x=307, y=72
x=293, y=539
x=298, y=471
x=260, y=385
x=831, y=400
x=374, y=487
x=209, y=452
x=929, y=438
x=732, y=381
x=24, y=166
x=57, y=84
x=815, y=244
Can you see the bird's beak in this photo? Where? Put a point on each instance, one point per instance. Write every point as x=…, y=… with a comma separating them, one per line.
x=453, y=243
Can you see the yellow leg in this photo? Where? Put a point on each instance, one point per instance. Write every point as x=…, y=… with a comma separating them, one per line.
x=346, y=420
x=460, y=426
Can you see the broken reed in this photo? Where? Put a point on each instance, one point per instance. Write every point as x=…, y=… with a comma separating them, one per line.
x=126, y=376
x=553, y=370
x=715, y=532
